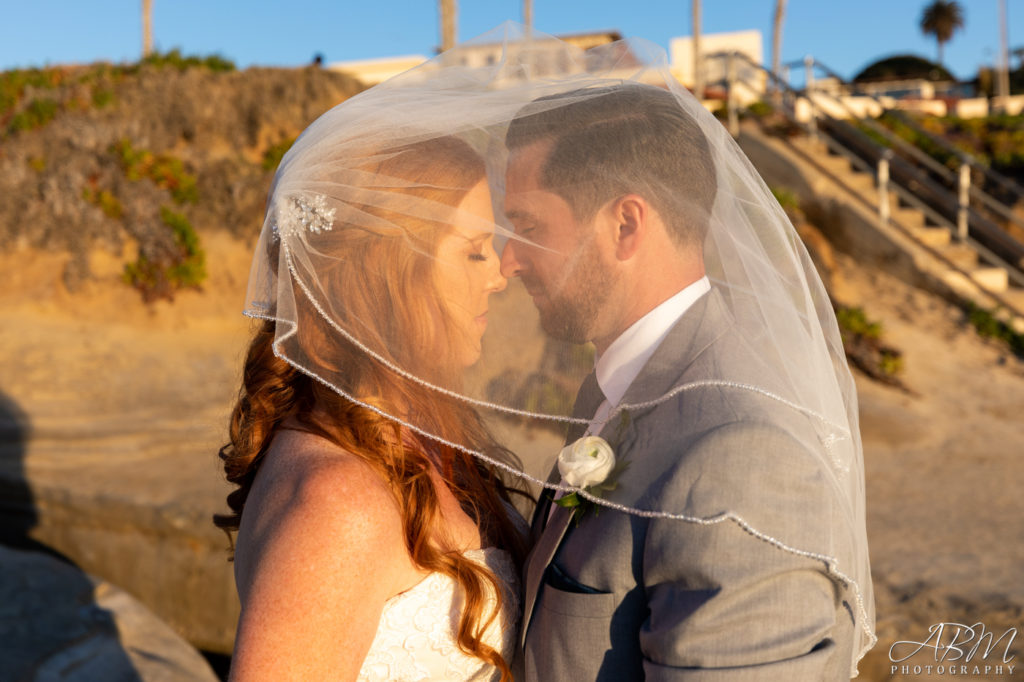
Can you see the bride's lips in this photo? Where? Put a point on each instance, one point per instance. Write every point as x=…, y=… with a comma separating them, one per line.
x=481, y=319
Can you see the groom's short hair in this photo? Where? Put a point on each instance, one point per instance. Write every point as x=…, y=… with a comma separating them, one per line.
x=623, y=139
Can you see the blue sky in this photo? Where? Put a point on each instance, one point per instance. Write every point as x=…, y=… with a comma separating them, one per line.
x=846, y=36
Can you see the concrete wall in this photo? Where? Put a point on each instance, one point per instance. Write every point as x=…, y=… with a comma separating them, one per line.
x=713, y=46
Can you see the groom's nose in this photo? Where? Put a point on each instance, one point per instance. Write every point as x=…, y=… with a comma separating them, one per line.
x=510, y=265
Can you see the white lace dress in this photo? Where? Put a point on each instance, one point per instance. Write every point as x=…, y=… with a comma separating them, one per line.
x=415, y=639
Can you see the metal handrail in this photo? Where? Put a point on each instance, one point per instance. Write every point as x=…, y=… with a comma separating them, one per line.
x=995, y=176
x=911, y=199
x=872, y=149
x=944, y=172
x=940, y=197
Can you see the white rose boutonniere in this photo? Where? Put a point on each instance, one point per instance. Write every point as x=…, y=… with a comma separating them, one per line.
x=586, y=462
x=589, y=464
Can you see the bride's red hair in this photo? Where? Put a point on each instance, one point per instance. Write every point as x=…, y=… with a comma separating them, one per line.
x=388, y=292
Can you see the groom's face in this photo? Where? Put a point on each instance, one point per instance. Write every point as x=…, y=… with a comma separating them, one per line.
x=557, y=257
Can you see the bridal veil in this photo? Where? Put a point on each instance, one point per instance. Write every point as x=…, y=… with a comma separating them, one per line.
x=329, y=188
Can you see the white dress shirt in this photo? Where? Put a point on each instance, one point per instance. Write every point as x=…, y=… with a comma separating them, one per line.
x=622, y=361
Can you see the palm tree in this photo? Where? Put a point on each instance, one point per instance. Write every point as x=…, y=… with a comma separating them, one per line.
x=780, y=12
x=448, y=10
x=147, y=27
x=941, y=19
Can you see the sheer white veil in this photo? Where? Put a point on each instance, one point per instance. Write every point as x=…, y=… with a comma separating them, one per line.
x=316, y=273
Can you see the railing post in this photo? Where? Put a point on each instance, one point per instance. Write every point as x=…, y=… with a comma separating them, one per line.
x=730, y=101
x=963, y=201
x=812, y=124
x=786, y=97
x=883, y=187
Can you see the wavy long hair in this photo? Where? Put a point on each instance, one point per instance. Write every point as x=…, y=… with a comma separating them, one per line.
x=384, y=286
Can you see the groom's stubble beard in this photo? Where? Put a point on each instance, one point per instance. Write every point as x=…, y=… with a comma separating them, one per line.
x=574, y=305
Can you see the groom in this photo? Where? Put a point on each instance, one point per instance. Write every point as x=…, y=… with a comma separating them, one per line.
x=612, y=196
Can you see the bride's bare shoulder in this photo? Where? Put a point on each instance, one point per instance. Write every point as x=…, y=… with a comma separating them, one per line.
x=305, y=461
x=316, y=473
x=311, y=496
x=319, y=551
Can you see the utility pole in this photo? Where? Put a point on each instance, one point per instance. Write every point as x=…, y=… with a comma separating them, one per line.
x=448, y=10
x=698, y=66
x=147, y=27
x=780, y=11
x=1003, y=76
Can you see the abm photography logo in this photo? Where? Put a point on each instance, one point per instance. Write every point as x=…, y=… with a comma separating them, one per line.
x=954, y=649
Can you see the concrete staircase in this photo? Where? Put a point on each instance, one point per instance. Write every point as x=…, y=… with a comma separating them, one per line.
x=807, y=166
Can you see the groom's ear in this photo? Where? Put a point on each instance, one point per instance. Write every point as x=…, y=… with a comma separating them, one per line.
x=632, y=215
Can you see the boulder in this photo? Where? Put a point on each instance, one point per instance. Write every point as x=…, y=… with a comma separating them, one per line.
x=58, y=623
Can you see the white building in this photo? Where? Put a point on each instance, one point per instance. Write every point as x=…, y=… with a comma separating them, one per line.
x=544, y=56
x=715, y=48
x=373, y=71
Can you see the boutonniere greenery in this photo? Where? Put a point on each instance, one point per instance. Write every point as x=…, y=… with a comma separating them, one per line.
x=590, y=464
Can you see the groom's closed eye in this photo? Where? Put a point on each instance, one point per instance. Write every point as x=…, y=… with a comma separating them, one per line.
x=522, y=223
x=526, y=228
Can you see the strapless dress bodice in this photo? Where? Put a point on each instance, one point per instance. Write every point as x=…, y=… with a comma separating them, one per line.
x=416, y=636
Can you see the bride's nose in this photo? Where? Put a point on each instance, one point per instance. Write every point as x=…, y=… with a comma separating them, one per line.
x=495, y=278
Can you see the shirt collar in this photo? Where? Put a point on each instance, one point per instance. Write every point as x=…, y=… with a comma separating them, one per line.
x=622, y=361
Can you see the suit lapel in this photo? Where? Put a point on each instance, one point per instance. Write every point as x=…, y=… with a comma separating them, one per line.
x=545, y=533
x=548, y=537
x=688, y=338
x=537, y=563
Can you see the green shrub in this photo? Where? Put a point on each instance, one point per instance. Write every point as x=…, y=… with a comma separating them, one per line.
x=38, y=113
x=988, y=325
x=105, y=199
x=174, y=59
x=190, y=269
x=760, y=109
x=862, y=341
x=111, y=73
x=14, y=83
x=786, y=197
x=272, y=157
x=185, y=268
x=855, y=321
x=215, y=62
x=144, y=275
x=166, y=171
x=890, y=363
x=102, y=98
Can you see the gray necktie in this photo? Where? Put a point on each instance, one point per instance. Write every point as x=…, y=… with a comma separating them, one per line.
x=588, y=400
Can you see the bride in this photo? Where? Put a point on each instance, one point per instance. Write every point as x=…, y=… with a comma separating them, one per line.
x=365, y=550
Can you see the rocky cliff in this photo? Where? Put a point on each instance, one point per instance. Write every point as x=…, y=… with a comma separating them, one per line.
x=139, y=160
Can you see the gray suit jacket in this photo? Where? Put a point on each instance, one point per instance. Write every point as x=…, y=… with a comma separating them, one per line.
x=623, y=597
